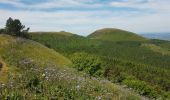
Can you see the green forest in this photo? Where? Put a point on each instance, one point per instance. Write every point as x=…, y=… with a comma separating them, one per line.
x=131, y=62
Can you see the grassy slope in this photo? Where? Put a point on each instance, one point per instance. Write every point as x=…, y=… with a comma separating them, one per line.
x=143, y=62
x=57, y=33
x=15, y=50
x=26, y=59
x=116, y=35
x=124, y=50
x=21, y=49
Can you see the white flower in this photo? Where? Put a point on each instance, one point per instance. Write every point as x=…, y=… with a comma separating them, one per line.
x=78, y=87
x=43, y=75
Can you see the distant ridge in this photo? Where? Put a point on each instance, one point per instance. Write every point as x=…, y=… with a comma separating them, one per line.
x=59, y=33
x=162, y=36
x=113, y=34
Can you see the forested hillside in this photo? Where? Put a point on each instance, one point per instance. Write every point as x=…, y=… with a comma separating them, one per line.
x=142, y=65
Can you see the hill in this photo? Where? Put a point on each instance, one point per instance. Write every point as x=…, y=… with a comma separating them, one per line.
x=113, y=34
x=29, y=70
x=132, y=63
x=18, y=50
x=57, y=33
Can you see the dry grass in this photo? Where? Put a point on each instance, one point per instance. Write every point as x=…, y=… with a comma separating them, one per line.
x=3, y=71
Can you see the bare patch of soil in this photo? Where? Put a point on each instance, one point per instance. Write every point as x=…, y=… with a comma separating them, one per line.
x=1, y=65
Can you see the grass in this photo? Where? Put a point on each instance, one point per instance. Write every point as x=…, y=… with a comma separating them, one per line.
x=112, y=34
x=37, y=72
x=58, y=33
x=19, y=49
x=3, y=71
x=123, y=58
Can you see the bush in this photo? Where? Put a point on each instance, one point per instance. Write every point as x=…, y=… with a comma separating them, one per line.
x=1, y=31
x=142, y=87
x=33, y=83
x=91, y=64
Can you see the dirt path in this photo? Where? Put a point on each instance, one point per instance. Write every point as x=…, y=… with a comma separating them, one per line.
x=2, y=66
x=3, y=72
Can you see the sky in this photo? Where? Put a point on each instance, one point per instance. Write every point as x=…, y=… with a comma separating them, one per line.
x=85, y=16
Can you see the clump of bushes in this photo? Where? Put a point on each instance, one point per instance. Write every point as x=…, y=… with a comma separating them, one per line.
x=15, y=28
x=34, y=82
x=119, y=76
x=1, y=31
x=141, y=87
x=91, y=64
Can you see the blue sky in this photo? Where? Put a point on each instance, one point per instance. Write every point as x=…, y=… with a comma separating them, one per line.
x=85, y=16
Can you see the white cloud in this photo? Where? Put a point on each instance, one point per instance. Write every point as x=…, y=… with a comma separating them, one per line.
x=87, y=21
x=49, y=4
x=155, y=5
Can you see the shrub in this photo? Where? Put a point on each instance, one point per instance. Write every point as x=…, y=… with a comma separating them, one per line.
x=48, y=45
x=91, y=64
x=141, y=87
x=33, y=83
x=1, y=31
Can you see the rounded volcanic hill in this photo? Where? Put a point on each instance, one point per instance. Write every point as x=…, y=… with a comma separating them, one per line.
x=113, y=34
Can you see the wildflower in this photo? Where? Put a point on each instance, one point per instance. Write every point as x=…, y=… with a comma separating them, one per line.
x=99, y=98
x=78, y=87
x=2, y=85
x=43, y=75
x=47, y=78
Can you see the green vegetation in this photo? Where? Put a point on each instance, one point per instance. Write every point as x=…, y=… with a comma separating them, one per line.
x=91, y=64
x=34, y=71
x=30, y=70
x=112, y=34
x=1, y=31
x=142, y=87
x=14, y=27
x=126, y=60
x=18, y=49
x=157, y=49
